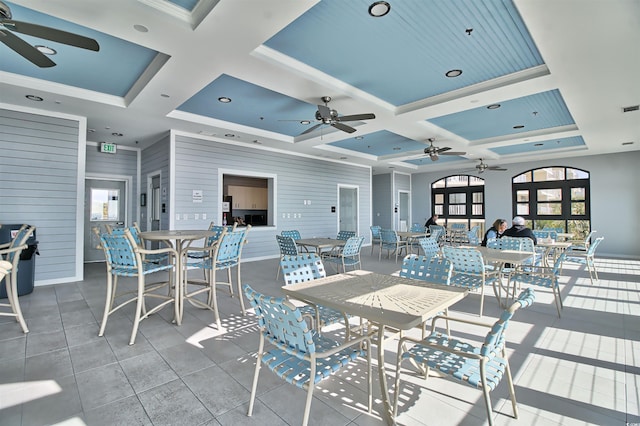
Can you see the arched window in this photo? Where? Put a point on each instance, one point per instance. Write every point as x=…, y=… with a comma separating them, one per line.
x=554, y=197
x=459, y=199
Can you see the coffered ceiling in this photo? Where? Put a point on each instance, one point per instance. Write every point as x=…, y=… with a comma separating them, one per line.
x=536, y=79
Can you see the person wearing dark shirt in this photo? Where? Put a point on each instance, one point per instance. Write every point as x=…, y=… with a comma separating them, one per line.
x=519, y=229
x=433, y=220
x=496, y=231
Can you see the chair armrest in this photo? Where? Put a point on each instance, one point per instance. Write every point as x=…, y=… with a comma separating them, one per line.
x=457, y=319
x=13, y=249
x=157, y=251
x=5, y=245
x=351, y=342
x=442, y=348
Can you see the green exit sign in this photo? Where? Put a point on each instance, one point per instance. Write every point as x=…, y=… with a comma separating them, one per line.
x=108, y=147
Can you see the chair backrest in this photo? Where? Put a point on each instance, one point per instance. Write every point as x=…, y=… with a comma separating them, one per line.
x=345, y=235
x=388, y=236
x=464, y=259
x=431, y=269
x=375, y=231
x=509, y=243
x=352, y=246
x=417, y=227
x=119, y=250
x=592, y=248
x=281, y=323
x=287, y=245
x=459, y=226
x=430, y=246
x=495, y=339
x=473, y=235
x=587, y=239
x=302, y=267
x=229, y=248
x=436, y=231
x=541, y=234
x=218, y=230
x=20, y=239
x=293, y=233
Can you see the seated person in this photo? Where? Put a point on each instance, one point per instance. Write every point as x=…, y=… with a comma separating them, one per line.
x=519, y=229
x=240, y=221
x=496, y=231
x=433, y=220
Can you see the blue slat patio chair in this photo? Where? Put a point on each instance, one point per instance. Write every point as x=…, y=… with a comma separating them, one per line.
x=308, y=267
x=347, y=255
x=540, y=276
x=481, y=367
x=470, y=270
x=288, y=247
x=429, y=246
x=582, y=244
x=124, y=259
x=585, y=258
x=10, y=253
x=345, y=235
x=297, y=354
x=392, y=243
x=375, y=236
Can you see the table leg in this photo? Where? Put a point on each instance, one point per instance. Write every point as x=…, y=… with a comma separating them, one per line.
x=387, y=413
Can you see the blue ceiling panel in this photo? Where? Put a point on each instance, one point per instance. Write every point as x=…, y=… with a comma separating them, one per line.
x=113, y=70
x=185, y=4
x=532, y=147
x=535, y=112
x=251, y=105
x=380, y=143
x=415, y=40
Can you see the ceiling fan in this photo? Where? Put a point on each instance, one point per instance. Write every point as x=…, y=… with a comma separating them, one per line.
x=434, y=152
x=29, y=52
x=328, y=116
x=480, y=168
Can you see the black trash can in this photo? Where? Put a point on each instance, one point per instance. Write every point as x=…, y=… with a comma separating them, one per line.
x=27, y=263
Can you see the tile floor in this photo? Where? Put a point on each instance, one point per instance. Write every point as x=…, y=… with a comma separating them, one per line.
x=581, y=369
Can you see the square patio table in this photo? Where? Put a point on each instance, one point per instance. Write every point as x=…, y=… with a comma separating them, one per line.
x=385, y=300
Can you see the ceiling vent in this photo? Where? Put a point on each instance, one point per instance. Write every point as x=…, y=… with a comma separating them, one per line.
x=631, y=108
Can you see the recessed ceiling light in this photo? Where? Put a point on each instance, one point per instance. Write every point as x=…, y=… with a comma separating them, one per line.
x=230, y=135
x=379, y=9
x=140, y=28
x=359, y=138
x=343, y=158
x=34, y=98
x=494, y=106
x=519, y=126
x=45, y=50
x=224, y=99
x=257, y=142
x=164, y=95
x=538, y=144
x=91, y=130
x=396, y=148
x=116, y=134
x=627, y=143
x=453, y=73
x=305, y=122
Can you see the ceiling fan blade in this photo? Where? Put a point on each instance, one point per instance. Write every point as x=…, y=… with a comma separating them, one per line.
x=343, y=127
x=497, y=168
x=52, y=34
x=443, y=149
x=25, y=49
x=356, y=117
x=325, y=112
x=453, y=153
x=311, y=129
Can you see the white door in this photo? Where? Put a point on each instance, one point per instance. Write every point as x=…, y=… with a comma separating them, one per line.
x=403, y=211
x=105, y=203
x=348, y=209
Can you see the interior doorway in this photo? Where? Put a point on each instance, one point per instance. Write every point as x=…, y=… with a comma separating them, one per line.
x=403, y=211
x=348, y=208
x=105, y=203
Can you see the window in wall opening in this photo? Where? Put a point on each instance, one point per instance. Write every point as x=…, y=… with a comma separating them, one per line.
x=105, y=204
x=556, y=197
x=459, y=199
x=249, y=200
